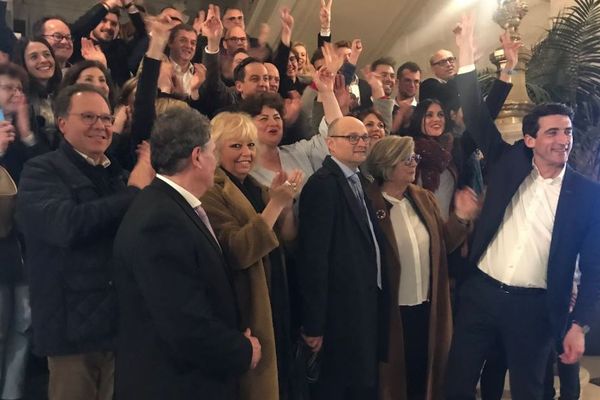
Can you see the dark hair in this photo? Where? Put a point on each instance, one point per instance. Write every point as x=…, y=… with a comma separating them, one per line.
x=73, y=73
x=174, y=136
x=316, y=56
x=531, y=121
x=343, y=43
x=180, y=27
x=383, y=61
x=62, y=102
x=240, y=50
x=409, y=65
x=38, y=26
x=254, y=103
x=363, y=113
x=445, y=92
x=232, y=8
x=416, y=122
x=239, y=73
x=35, y=87
x=115, y=11
x=15, y=71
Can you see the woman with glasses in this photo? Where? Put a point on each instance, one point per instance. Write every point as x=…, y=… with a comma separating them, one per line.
x=251, y=223
x=416, y=245
x=36, y=56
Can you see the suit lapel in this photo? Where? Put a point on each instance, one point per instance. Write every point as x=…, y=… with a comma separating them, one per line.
x=189, y=211
x=349, y=195
x=563, y=217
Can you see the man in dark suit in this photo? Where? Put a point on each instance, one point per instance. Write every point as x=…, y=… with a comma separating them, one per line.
x=538, y=218
x=341, y=276
x=178, y=323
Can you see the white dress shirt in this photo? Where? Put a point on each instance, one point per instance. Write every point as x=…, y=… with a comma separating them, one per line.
x=413, y=243
x=518, y=254
x=185, y=74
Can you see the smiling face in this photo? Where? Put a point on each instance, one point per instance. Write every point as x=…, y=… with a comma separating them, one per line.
x=388, y=78
x=108, y=29
x=434, y=122
x=11, y=94
x=39, y=61
x=237, y=157
x=375, y=128
x=91, y=140
x=183, y=46
x=270, y=127
x=256, y=79
x=292, y=66
x=95, y=77
x=301, y=51
x=552, y=144
x=274, y=80
x=63, y=48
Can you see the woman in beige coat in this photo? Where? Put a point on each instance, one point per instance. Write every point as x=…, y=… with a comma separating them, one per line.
x=249, y=222
x=416, y=245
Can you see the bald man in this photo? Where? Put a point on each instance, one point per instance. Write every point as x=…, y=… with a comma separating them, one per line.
x=340, y=271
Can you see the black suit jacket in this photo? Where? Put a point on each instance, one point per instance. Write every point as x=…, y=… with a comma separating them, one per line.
x=338, y=277
x=178, y=334
x=577, y=221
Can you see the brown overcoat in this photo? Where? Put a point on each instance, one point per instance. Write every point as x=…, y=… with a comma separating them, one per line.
x=444, y=237
x=246, y=241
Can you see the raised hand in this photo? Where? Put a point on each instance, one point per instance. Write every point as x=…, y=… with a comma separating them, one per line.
x=199, y=22
x=464, y=37
x=198, y=78
x=466, y=204
x=142, y=173
x=213, y=27
x=282, y=190
x=90, y=51
x=325, y=14
x=324, y=80
x=511, y=49
x=356, y=50
x=333, y=61
x=287, y=25
x=22, y=120
x=375, y=81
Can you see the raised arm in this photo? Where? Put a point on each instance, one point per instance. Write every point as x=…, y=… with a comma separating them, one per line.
x=325, y=19
x=476, y=114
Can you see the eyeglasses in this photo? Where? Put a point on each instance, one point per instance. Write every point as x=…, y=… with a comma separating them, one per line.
x=449, y=60
x=413, y=158
x=91, y=118
x=59, y=37
x=353, y=139
x=237, y=39
x=12, y=88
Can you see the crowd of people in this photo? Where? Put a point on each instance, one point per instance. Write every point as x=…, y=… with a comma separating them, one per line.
x=199, y=215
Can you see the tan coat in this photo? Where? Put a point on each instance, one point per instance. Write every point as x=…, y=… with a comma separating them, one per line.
x=444, y=237
x=246, y=241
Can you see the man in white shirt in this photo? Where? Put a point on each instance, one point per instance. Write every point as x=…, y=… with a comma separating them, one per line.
x=539, y=215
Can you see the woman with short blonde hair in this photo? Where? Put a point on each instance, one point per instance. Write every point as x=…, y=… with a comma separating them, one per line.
x=250, y=222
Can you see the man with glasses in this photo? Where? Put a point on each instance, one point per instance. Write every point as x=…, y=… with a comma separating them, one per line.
x=341, y=277
x=58, y=34
x=70, y=205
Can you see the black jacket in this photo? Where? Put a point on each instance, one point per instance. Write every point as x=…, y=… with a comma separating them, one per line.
x=178, y=324
x=69, y=212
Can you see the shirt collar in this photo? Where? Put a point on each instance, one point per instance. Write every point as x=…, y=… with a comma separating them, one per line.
x=348, y=172
x=190, y=68
x=104, y=162
x=186, y=194
x=535, y=173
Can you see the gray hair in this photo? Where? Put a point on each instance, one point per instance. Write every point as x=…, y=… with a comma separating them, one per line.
x=175, y=134
x=62, y=103
x=386, y=154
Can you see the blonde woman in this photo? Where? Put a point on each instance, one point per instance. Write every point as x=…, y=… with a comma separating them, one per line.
x=250, y=222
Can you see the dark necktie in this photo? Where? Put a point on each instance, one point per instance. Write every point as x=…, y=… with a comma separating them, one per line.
x=202, y=214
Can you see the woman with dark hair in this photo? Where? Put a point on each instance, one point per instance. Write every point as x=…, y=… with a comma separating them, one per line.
x=94, y=73
x=437, y=172
x=37, y=58
x=375, y=124
x=266, y=109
